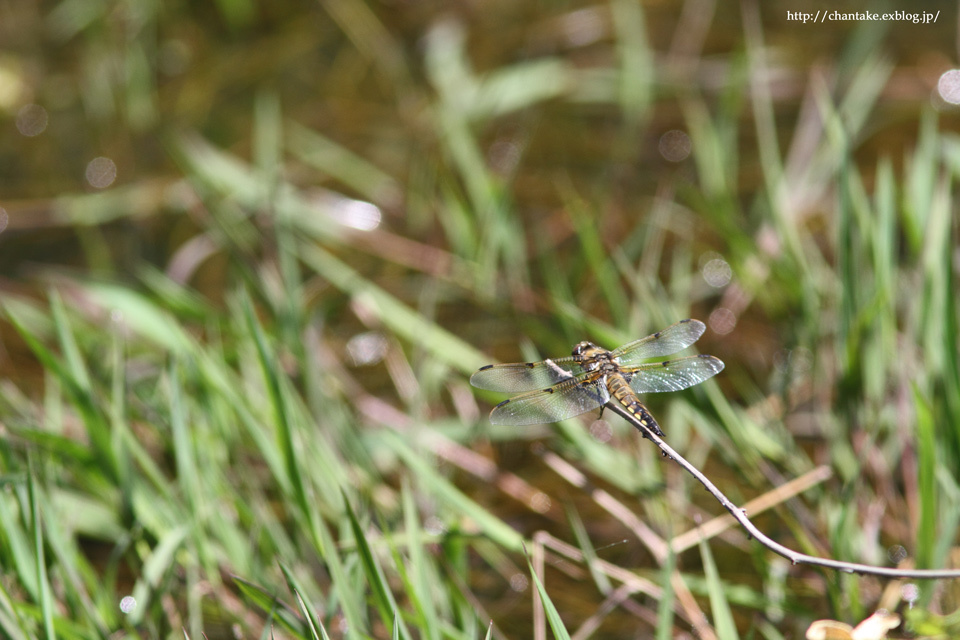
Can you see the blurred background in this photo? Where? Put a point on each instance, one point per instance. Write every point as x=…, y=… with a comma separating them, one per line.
x=250, y=253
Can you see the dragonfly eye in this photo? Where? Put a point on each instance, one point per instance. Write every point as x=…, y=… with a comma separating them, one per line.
x=582, y=348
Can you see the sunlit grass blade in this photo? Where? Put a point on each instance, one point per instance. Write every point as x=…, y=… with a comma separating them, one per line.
x=268, y=152
x=452, y=76
x=923, y=168
x=762, y=101
x=422, y=581
x=553, y=616
x=81, y=581
x=589, y=552
x=268, y=141
x=186, y=458
x=45, y=596
x=502, y=242
x=407, y=323
x=665, y=629
x=73, y=378
x=719, y=604
x=298, y=588
x=270, y=604
x=371, y=37
x=520, y=86
x=927, y=462
x=940, y=313
x=949, y=516
x=883, y=247
x=868, y=81
x=339, y=162
x=11, y=624
x=597, y=257
x=178, y=300
x=160, y=561
x=281, y=412
x=637, y=68
x=234, y=188
x=309, y=617
x=710, y=151
x=16, y=536
x=382, y=595
x=430, y=480
x=847, y=258
x=350, y=594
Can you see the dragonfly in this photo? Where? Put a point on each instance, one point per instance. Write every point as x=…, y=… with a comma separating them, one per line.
x=560, y=388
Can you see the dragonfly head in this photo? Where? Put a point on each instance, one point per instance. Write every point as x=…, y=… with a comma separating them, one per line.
x=584, y=350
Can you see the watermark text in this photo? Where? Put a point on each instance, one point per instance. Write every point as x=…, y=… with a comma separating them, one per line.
x=919, y=17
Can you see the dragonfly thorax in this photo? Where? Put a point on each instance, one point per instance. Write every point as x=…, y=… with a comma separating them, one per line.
x=591, y=357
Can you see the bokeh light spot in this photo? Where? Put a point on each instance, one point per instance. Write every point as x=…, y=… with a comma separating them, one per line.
x=583, y=27
x=717, y=272
x=722, y=320
x=601, y=431
x=434, y=526
x=897, y=553
x=128, y=604
x=31, y=120
x=540, y=502
x=675, y=146
x=910, y=593
x=367, y=348
x=101, y=172
x=949, y=86
x=519, y=582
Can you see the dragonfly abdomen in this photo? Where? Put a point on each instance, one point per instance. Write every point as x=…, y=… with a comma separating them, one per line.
x=620, y=390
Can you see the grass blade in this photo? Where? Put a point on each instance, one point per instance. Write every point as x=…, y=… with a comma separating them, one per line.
x=719, y=605
x=553, y=616
x=382, y=595
x=47, y=605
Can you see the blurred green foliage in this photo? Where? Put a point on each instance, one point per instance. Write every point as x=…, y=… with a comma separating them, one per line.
x=235, y=379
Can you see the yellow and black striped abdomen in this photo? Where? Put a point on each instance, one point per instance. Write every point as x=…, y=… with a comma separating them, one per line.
x=620, y=390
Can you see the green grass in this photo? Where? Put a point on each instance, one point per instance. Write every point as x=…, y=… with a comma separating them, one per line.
x=184, y=423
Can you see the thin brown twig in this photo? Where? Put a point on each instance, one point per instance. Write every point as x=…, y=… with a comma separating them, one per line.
x=740, y=515
x=721, y=523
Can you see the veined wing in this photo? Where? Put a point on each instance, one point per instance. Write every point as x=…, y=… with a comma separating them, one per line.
x=672, y=375
x=559, y=402
x=525, y=376
x=677, y=336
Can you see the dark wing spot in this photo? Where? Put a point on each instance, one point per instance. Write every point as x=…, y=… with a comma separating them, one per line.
x=656, y=335
x=531, y=365
x=548, y=390
x=505, y=402
x=665, y=363
x=684, y=321
x=486, y=366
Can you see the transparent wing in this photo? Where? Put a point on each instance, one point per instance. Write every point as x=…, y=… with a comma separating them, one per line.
x=525, y=376
x=672, y=375
x=662, y=343
x=559, y=402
